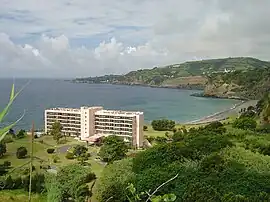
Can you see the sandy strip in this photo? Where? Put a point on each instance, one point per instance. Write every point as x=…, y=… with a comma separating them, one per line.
x=219, y=116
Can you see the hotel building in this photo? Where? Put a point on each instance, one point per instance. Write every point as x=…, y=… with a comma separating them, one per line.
x=89, y=123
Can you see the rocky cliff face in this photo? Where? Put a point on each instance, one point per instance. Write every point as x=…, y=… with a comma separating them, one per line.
x=222, y=90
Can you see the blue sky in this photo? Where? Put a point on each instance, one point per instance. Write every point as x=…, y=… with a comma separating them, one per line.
x=68, y=38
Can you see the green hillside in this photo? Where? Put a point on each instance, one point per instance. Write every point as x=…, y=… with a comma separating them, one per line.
x=191, y=74
x=249, y=84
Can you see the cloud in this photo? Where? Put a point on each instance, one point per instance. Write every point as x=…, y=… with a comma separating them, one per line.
x=86, y=38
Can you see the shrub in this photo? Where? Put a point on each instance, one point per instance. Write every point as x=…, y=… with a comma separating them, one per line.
x=3, y=149
x=216, y=127
x=145, y=128
x=163, y=125
x=55, y=158
x=245, y=123
x=70, y=155
x=21, y=134
x=113, y=181
x=21, y=152
x=50, y=150
x=8, y=139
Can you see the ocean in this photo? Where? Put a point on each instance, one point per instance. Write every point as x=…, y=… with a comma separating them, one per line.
x=156, y=103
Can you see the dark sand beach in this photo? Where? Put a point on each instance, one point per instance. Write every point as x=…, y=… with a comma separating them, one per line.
x=222, y=115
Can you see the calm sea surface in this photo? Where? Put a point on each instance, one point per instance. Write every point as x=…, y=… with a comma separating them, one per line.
x=154, y=102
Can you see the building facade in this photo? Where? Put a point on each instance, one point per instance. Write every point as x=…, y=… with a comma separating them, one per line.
x=93, y=122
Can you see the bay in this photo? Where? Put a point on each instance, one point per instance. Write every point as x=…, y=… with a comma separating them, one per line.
x=156, y=103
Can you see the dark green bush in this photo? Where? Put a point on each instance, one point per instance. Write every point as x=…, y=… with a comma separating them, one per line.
x=245, y=123
x=50, y=150
x=21, y=152
x=163, y=125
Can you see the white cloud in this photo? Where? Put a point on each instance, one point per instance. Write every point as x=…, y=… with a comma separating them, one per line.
x=37, y=38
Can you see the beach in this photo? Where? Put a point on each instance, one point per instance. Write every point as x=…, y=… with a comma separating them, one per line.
x=223, y=115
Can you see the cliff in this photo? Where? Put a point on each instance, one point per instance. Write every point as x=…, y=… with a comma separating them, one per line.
x=248, y=84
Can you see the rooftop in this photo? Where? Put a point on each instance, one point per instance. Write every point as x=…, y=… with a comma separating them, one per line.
x=64, y=109
x=118, y=112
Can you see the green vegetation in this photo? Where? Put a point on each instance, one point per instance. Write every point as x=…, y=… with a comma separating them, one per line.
x=215, y=162
x=186, y=75
x=163, y=125
x=20, y=196
x=21, y=134
x=56, y=131
x=114, y=148
x=21, y=152
x=245, y=123
x=70, y=184
x=248, y=84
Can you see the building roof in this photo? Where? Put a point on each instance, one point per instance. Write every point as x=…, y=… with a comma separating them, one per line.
x=64, y=109
x=118, y=113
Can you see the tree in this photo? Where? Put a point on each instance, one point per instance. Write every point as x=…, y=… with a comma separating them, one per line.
x=71, y=183
x=163, y=125
x=113, y=148
x=21, y=152
x=245, y=123
x=56, y=131
x=79, y=150
x=215, y=127
x=21, y=134
x=3, y=149
x=113, y=181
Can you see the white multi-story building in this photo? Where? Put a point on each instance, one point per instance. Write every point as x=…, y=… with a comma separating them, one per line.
x=90, y=122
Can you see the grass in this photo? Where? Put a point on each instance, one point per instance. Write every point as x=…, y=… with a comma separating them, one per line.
x=20, y=196
x=42, y=157
x=151, y=132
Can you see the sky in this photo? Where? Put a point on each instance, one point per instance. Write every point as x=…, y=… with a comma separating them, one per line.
x=81, y=38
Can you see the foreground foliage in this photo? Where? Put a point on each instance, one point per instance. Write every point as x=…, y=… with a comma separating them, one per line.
x=214, y=164
x=70, y=183
x=113, y=148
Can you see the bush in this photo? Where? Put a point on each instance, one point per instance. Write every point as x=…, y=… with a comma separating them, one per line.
x=55, y=159
x=113, y=181
x=163, y=125
x=265, y=128
x=21, y=134
x=50, y=150
x=8, y=139
x=145, y=128
x=245, y=123
x=21, y=152
x=3, y=149
x=215, y=127
x=70, y=155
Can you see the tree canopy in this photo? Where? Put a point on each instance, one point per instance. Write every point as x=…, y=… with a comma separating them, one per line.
x=113, y=148
x=56, y=131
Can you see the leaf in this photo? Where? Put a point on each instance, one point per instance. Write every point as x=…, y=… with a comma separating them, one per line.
x=4, y=131
x=156, y=199
x=11, y=100
x=12, y=92
x=169, y=197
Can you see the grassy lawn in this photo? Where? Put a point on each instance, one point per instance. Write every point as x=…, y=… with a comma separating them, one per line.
x=151, y=132
x=42, y=157
x=19, y=196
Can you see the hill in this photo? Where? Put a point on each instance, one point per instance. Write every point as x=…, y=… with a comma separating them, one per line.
x=245, y=84
x=188, y=75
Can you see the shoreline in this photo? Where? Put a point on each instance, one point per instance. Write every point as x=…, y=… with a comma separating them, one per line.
x=224, y=114
x=179, y=87
x=182, y=87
